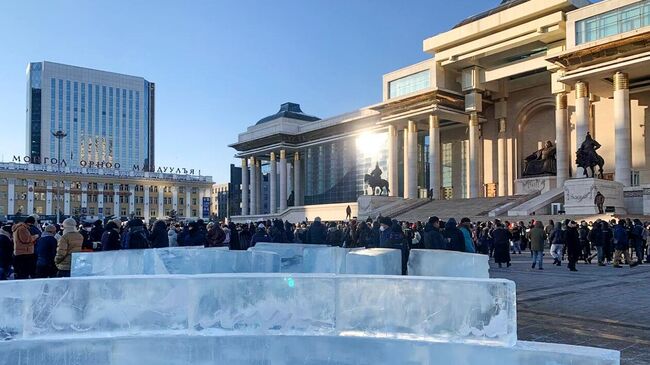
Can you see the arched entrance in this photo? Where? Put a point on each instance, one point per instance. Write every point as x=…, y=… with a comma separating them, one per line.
x=535, y=125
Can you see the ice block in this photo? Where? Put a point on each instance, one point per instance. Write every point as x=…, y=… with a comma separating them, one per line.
x=325, y=259
x=374, y=261
x=171, y=260
x=291, y=254
x=290, y=350
x=441, y=309
x=448, y=263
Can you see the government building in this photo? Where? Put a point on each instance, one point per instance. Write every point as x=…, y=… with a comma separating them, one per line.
x=498, y=111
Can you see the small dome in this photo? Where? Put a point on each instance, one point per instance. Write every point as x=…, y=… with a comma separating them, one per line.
x=289, y=110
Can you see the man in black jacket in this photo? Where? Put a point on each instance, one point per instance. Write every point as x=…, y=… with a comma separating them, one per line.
x=433, y=239
x=317, y=233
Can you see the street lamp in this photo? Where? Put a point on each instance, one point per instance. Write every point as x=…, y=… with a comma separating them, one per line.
x=59, y=136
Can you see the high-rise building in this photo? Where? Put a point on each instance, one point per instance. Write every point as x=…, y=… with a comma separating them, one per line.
x=109, y=118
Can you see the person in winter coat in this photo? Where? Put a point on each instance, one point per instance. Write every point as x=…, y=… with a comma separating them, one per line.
x=333, y=237
x=111, y=237
x=572, y=242
x=193, y=235
x=45, y=252
x=260, y=235
x=317, y=233
x=6, y=251
x=537, y=237
x=466, y=230
x=502, y=238
x=234, y=243
x=608, y=242
x=396, y=239
x=70, y=242
x=433, y=239
x=158, y=236
x=96, y=232
x=557, y=243
x=375, y=234
x=585, y=247
x=216, y=236
x=596, y=239
x=288, y=230
x=24, y=241
x=621, y=245
x=455, y=238
x=278, y=235
x=136, y=236
x=364, y=233
x=245, y=237
x=172, y=236
x=637, y=233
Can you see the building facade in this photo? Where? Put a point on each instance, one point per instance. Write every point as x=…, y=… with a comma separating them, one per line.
x=460, y=124
x=109, y=118
x=97, y=193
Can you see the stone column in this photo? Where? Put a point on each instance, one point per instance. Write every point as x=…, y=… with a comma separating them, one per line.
x=291, y=181
x=258, y=186
x=66, y=198
x=116, y=200
x=188, y=201
x=392, y=161
x=199, y=211
x=11, y=196
x=174, y=199
x=405, y=158
x=146, y=208
x=48, y=198
x=244, y=186
x=413, y=160
x=297, y=173
x=131, y=199
x=502, y=157
x=474, y=163
x=253, y=188
x=100, y=199
x=272, y=184
x=84, y=195
x=622, y=129
x=30, y=197
x=434, y=156
x=283, y=180
x=561, y=138
x=582, y=119
x=161, y=201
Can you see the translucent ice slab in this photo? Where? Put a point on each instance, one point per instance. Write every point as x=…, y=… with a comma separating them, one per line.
x=374, y=261
x=290, y=350
x=439, y=309
x=291, y=254
x=448, y=263
x=325, y=260
x=173, y=260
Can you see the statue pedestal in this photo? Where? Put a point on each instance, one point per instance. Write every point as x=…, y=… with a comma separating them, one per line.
x=372, y=205
x=530, y=185
x=579, y=195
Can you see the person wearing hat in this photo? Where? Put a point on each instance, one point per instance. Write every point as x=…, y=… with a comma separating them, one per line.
x=70, y=242
x=260, y=235
x=137, y=236
x=6, y=251
x=24, y=241
x=432, y=237
x=317, y=232
x=45, y=253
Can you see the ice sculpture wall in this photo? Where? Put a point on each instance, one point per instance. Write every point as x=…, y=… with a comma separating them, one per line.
x=448, y=263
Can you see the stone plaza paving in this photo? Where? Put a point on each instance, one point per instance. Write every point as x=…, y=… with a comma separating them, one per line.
x=596, y=306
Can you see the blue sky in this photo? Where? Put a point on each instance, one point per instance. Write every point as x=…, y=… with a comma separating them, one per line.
x=219, y=66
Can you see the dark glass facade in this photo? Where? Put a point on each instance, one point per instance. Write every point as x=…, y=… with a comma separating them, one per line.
x=35, y=109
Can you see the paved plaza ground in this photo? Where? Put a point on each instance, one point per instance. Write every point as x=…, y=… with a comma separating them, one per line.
x=596, y=306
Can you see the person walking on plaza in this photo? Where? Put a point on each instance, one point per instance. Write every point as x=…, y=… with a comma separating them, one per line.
x=637, y=233
x=6, y=251
x=45, y=252
x=599, y=200
x=557, y=244
x=583, y=233
x=348, y=213
x=502, y=238
x=596, y=238
x=572, y=241
x=24, y=242
x=70, y=242
x=537, y=237
x=621, y=245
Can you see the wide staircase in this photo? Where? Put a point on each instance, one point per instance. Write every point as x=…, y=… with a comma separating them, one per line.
x=456, y=208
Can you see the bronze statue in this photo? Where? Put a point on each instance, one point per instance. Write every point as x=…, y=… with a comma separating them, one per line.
x=375, y=181
x=587, y=157
x=541, y=162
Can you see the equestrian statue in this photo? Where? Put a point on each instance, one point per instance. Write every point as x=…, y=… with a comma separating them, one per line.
x=588, y=158
x=375, y=181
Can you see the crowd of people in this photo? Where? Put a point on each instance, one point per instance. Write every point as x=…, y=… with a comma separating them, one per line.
x=31, y=250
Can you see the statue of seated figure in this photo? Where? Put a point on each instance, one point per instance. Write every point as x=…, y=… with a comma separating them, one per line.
x=541, y=162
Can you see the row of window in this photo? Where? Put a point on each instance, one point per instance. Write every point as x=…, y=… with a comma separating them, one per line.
x=613, y=22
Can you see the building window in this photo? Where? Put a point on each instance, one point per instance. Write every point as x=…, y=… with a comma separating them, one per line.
x=194, y=213
x=613, y=22
x=409, y=84
x=152, y=213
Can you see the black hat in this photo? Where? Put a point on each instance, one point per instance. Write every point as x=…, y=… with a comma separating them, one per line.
x=30, y=220
x=434, y=219
x=386, y=221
